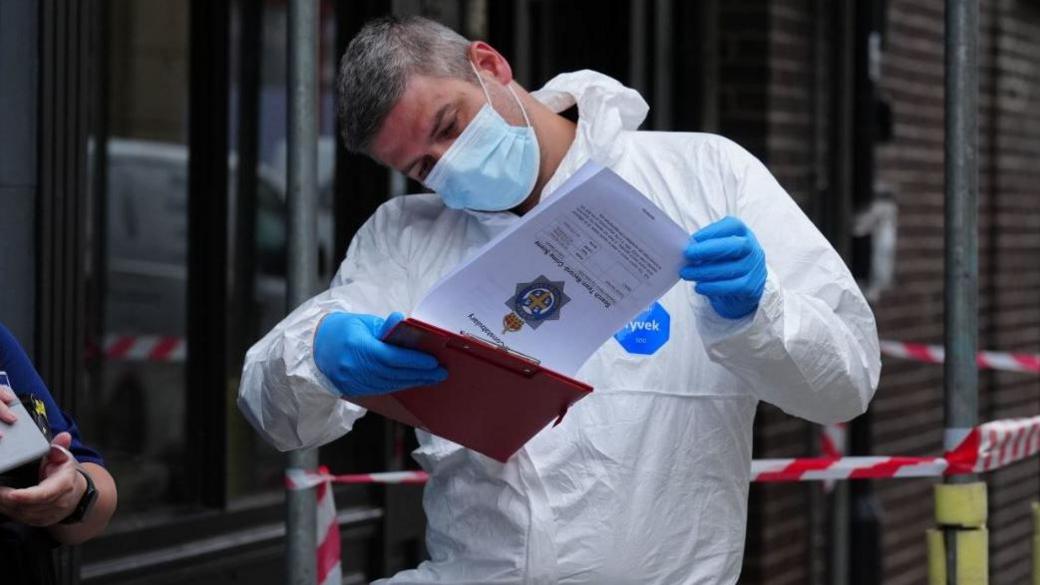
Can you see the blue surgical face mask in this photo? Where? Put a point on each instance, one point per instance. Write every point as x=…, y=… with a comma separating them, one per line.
x=491, y=166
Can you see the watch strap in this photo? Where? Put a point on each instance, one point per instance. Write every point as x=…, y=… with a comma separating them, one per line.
x=85, y=502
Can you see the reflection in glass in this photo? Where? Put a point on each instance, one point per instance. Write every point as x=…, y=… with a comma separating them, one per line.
x=134, y=404
x=134, y=408
x=253, y=466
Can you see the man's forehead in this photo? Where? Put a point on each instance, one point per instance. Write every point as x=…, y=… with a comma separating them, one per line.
x=406, y=127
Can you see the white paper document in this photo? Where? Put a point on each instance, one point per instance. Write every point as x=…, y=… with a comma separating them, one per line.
x=557, y=284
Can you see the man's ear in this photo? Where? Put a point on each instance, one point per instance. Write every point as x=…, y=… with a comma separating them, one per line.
x=488, y=61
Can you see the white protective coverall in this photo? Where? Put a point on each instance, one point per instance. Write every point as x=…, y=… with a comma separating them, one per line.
x=646, y=479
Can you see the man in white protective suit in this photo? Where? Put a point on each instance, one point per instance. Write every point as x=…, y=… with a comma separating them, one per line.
x=646, y=479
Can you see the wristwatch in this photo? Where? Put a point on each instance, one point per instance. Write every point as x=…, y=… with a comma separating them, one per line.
x=85, y=502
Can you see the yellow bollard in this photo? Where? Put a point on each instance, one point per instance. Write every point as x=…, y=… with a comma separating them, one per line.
x=1036, y=544
x=936, y=557
x=961, y=504
x=973, y=556
x=960, y=509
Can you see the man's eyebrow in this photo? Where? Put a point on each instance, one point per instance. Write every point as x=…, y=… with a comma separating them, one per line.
x=437, y=119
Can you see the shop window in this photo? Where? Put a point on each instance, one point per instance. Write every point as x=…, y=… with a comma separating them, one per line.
x=134, y=408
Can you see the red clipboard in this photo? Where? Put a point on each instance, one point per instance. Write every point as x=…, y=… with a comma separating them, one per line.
x=493, y=401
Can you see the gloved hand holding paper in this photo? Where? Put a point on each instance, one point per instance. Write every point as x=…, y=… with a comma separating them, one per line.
x=349, y=350
x=513, y=323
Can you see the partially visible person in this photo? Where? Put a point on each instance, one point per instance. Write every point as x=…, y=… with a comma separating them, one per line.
x=75, y=496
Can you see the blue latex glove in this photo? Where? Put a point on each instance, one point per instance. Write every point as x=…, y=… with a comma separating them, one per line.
x=728, y=265
x=349, y=350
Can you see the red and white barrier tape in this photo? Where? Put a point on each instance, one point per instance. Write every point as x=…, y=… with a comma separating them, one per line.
x=1004, y=442
x=162, y=348
x=298, y=479
x=987, y=360
x=832, y=445
x=832, y=440
x=328, y=542
x=153, y=348
x=985, y=448
x=329, y=566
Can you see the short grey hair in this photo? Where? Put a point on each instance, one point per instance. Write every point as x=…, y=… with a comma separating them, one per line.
x=376, y=66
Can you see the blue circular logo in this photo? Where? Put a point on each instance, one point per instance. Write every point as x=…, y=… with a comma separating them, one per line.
x=647, y=333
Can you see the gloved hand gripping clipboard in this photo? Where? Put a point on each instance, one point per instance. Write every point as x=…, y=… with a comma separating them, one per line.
x=493, y=401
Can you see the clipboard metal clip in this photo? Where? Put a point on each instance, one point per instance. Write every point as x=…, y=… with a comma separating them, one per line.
x=502, y=347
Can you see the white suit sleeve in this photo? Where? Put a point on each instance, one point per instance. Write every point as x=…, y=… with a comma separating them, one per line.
x=812, y=347
x=282, y=393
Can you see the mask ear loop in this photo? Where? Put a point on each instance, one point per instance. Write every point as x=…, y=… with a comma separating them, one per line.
x=523, y=110
x=480, y=80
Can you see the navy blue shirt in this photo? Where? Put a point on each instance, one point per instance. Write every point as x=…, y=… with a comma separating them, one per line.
x=25, y=380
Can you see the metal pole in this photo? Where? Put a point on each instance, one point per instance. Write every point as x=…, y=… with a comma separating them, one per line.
x=709, y=46
x=865, y=527
x=961, y=233
x=838, y=206
x=664, y=48
x=301, y=557
x=1036, y=543
x=823, y=530
x=637, y=45
x=960, y=375
x=522, y=42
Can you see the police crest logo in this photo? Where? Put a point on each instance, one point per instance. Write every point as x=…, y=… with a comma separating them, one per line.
x=534, y=303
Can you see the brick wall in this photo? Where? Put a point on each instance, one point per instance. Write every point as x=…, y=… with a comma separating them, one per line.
x=908, y=407
x=1014, y=264
x=753, y=77
x=743, y=66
